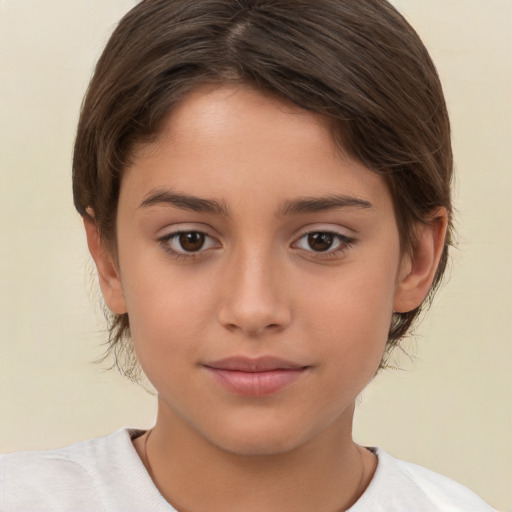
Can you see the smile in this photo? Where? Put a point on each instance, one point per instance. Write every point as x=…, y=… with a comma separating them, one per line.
x=255, y=377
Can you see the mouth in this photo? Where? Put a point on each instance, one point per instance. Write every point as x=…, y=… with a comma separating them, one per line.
x=261, y=376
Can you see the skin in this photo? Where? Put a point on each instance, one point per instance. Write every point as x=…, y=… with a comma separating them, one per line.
x=258, y=287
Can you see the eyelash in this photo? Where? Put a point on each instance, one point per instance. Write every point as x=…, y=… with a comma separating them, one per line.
x=165, y=243
x=345, y=242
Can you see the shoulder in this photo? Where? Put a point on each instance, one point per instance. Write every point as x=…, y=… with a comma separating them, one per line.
x=70, y=478
x=403, y=486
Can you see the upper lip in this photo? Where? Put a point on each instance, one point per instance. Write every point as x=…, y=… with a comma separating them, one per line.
x=253, y=365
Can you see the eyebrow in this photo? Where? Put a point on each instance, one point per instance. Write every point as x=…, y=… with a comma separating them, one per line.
x=322, y=204
x=289, y=207
x=185, y=202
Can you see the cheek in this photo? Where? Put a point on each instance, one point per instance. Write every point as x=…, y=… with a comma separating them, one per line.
x=351, y=312
x=168, y=312
x=351, y=332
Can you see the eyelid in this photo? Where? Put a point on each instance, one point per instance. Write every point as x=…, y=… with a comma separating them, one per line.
x=334, y=229
x=184, y=227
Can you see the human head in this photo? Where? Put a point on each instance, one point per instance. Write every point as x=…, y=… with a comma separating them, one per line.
x=359, y=63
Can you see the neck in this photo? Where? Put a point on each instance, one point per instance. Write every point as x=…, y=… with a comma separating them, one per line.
x=327, y=472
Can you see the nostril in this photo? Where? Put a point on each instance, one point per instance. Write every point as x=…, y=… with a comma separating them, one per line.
x=253, y=324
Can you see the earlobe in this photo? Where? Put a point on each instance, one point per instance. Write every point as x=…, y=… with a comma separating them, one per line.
x=418, y=269
x=108, y=273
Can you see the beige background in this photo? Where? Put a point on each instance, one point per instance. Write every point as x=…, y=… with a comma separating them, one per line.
x=449, y=409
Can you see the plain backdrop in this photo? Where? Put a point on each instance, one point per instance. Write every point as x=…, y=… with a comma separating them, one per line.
x=449, y=407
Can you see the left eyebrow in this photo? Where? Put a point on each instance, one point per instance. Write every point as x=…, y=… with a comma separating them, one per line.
x=322, y=204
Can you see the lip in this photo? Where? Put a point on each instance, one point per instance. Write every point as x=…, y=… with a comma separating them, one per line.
x=260, y=376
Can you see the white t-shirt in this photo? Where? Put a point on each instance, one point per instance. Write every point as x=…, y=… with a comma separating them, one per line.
x=107, y=475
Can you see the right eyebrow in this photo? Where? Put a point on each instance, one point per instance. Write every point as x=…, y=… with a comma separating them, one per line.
x=184, y=201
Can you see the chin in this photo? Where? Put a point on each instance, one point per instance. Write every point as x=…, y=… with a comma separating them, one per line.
x=264, y=446
x=259, y=439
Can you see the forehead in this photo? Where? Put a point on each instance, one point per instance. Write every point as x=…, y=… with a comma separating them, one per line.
x=224, y=140
x=239, y=111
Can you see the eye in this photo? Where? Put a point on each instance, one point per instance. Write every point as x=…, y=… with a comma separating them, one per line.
x=324, y=242
x=187, y=242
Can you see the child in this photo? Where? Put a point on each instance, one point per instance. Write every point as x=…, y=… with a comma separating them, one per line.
x=265, y=188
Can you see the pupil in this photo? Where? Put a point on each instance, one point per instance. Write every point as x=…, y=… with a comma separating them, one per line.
x=320, y=241
x=191, y=241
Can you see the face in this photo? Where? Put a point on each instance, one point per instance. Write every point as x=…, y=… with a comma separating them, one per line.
x=259, y=268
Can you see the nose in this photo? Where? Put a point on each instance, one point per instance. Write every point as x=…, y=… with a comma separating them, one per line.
x=254, y=299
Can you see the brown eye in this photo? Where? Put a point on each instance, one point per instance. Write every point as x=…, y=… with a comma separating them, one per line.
x=324, y=244
x=188, y=244
x=320, y=242
x=192, y=241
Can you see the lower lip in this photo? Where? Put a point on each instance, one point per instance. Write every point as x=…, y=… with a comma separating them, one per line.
x=256, y=383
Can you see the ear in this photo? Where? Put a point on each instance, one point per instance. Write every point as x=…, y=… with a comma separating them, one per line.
x=108, y=272
x=418, y=268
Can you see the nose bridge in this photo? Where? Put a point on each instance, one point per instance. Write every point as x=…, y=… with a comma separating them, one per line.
x=253, y=292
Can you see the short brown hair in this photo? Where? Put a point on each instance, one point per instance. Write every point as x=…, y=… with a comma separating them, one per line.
x=358, y=62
